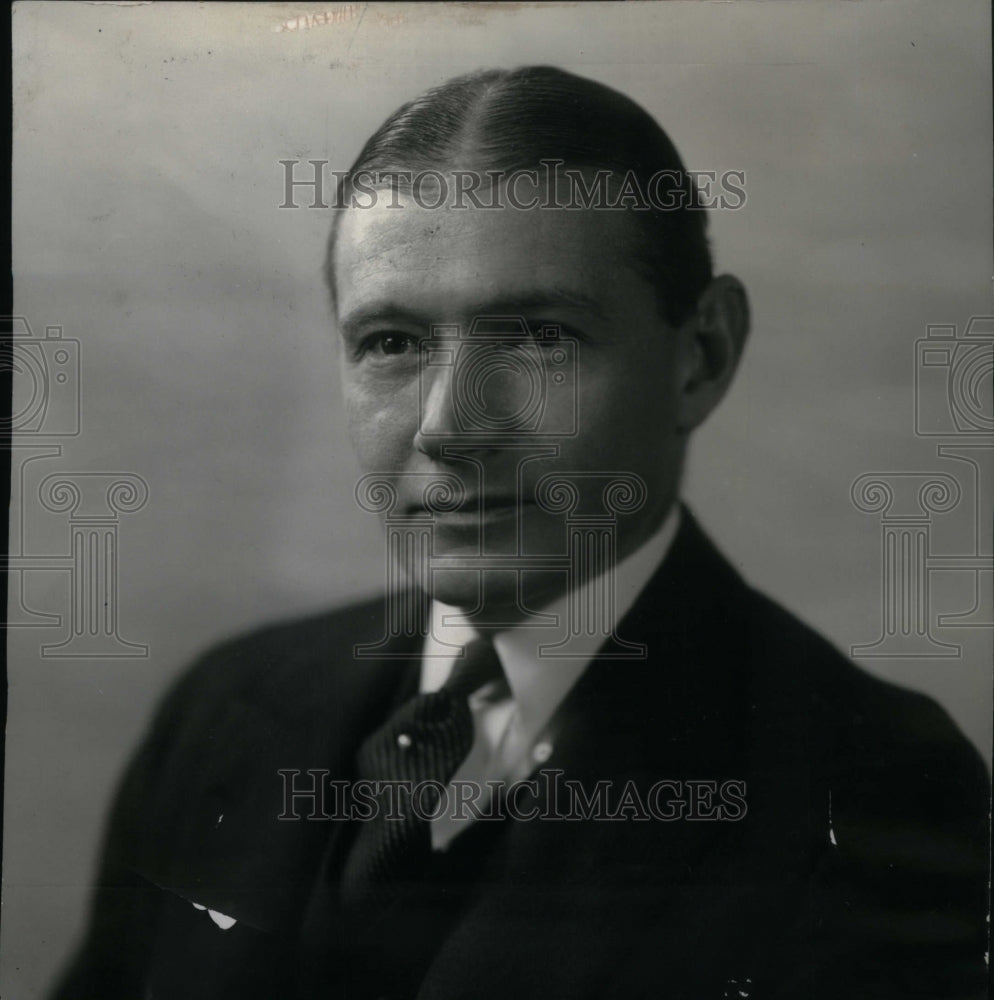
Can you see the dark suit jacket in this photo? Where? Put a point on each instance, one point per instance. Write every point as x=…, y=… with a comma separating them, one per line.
x=858, y=869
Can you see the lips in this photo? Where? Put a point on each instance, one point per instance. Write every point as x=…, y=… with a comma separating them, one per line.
x=473, y=511
x=486, y=508
x=491, y=503
x=474, y=504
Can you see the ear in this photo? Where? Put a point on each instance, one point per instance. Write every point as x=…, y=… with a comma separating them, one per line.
x=711, y=344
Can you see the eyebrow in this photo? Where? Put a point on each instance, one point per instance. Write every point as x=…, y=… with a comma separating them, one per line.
x=519, y=303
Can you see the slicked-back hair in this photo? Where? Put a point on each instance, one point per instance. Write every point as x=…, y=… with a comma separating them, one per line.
x=512, y=120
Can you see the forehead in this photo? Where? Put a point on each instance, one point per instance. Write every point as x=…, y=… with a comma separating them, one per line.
x=460, y=258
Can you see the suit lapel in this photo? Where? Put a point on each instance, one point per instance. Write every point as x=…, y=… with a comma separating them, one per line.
x=680, y=705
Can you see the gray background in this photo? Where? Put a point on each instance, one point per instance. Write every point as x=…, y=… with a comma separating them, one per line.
x=146, y=223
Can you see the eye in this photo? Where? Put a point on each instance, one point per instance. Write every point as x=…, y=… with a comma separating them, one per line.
x=395, y=343
x=388, y=343
x=550, y=333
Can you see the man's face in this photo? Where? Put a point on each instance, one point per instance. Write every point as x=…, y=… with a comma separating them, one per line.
x=402, y=271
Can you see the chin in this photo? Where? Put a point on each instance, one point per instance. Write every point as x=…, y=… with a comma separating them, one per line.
x=498, y=595
x=460, y=588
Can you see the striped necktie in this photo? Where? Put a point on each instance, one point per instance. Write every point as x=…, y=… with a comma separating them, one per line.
x=421, y=745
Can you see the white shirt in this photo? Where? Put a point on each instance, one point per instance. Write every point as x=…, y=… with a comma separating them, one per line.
x=510, y=735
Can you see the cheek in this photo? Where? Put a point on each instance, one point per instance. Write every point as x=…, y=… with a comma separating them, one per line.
x=380, y=428
x=627, y=413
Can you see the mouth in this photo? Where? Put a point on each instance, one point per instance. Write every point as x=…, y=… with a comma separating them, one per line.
x=479, y=511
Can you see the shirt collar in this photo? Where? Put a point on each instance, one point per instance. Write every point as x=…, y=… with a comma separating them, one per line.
x=539, y=692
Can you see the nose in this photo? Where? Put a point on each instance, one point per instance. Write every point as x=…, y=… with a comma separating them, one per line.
x=437, y=419
x=479, y=391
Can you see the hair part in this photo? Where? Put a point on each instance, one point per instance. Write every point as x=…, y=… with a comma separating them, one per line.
x=508, y=120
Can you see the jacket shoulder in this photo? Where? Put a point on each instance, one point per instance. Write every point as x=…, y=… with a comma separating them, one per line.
x=278, y=664
x=891, y=768
x=288, y=696
x=852, y=707
x=278, y=691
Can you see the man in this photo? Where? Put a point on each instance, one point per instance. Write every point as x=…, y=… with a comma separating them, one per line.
x=653, y=782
